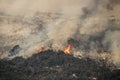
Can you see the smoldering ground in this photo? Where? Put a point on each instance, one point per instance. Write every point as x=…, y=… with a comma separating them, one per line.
x=90, y=26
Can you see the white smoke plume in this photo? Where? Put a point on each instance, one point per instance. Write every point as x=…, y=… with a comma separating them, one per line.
x=91, y=26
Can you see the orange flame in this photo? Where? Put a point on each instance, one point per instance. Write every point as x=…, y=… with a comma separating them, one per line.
x=40, y=50
x=68, y=49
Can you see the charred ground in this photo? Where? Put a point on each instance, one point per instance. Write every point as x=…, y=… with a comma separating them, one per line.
x=51, y=65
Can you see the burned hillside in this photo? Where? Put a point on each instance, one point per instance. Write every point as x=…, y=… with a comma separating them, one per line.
x=50, y=65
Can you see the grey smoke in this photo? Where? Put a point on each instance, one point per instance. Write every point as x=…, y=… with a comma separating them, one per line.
x=90, y=26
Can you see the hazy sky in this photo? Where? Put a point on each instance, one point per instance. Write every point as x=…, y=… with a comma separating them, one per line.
x=65, y=6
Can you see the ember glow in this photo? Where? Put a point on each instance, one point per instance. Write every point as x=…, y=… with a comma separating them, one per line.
x=68, y=49
x=40, y=50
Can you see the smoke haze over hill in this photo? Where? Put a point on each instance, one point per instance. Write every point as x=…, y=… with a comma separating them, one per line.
x=92, y=27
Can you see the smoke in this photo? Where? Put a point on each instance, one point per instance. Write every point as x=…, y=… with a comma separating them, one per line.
x=90, y=26
x=28, y=7
x=112, y=38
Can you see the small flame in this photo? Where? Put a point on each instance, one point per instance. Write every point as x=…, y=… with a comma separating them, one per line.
x=68, y=49
x=40, y=50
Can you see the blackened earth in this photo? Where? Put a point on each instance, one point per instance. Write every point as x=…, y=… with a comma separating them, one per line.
x=51, y=65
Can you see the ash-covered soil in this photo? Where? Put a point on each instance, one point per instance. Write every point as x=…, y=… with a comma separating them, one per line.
x=51, y=65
